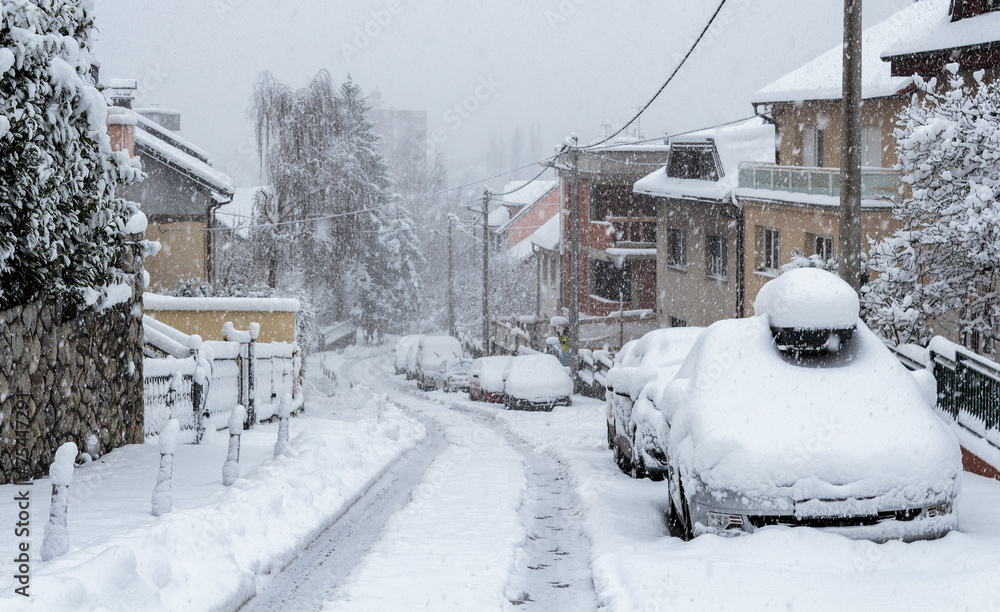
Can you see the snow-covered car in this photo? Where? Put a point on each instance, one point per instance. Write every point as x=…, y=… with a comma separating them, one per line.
x=455, y=375
x=402, y=348
x=436, y=357
x=486, y=379
x=410, y=361
x=641, y=370
x=800, y=416
x=536, y=382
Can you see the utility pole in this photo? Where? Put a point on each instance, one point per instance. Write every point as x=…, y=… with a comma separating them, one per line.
x=487, y=348
x=451, y=276
x=850, y=150
x=574, y=257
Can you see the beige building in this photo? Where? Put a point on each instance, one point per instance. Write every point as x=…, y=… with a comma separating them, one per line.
x=699, y=224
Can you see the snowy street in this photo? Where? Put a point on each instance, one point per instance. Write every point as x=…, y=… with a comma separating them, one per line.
x=590, y=528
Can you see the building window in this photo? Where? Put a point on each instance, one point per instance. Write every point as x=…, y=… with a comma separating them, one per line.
x=693, y=162
x=611, y=282
x=871, y=146
x=822, y=246
x=677, y=248
x=675, y=322
x=771, y=251
x=716, y=262
x=812, y=146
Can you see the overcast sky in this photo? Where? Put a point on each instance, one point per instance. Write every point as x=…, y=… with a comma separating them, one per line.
x=571, y=65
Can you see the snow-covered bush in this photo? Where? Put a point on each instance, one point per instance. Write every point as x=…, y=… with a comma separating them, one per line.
x=61, y=226
x=943, y=260
x=813, y=261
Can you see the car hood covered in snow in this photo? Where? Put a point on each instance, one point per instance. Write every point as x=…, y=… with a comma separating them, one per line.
x=748, y=419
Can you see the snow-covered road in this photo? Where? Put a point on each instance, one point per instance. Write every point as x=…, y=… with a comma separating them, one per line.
x=557, y=484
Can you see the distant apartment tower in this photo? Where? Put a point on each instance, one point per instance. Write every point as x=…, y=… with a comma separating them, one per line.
x=403, y=132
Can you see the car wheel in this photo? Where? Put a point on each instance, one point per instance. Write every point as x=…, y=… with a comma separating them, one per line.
x=621, y=460
x=679, y=524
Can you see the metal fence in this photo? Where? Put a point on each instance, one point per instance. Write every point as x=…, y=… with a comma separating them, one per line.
x=969, y=390
x=200, y=389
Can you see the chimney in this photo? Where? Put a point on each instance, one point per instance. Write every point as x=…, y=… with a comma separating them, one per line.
x=122, y=92
x=121, y=118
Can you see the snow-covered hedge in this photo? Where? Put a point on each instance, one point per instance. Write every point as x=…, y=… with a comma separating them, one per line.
x=61, y=226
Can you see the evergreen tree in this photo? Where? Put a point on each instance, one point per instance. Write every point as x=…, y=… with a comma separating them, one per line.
x=61, y=226
x=942, y=264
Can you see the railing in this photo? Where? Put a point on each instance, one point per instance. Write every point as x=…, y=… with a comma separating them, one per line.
x=633, y=232
x=876, y=183
x=969, y=390
x=200, y=389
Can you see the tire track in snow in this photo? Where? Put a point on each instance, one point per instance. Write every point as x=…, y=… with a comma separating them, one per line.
x=311, y=579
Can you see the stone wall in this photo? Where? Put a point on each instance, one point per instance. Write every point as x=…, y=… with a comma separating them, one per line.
x=63, y=380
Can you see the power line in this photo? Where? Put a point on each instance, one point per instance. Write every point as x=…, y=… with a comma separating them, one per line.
x=667, y=82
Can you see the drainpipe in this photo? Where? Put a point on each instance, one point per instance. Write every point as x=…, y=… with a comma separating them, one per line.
x=741, y=257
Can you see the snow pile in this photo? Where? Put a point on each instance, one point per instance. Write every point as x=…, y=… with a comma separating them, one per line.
x=808, y=298
x=747, y=418
x=218, y=544
x=537, y=378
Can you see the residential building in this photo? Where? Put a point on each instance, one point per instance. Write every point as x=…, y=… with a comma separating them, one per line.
x=617, y=228
x=792, y=206
x=179, y=195
x=531, y=236
x=699, y=224
x=403, y=142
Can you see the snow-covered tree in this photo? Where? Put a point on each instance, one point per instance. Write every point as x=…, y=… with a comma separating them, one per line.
x=328, y=220
x=941, y=267
x=61, y=226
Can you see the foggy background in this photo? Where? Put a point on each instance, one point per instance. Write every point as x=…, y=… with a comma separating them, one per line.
x=569, y=65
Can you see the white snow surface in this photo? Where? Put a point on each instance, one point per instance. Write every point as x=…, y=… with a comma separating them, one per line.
x=220, y=544
x=808, y=298
x=751, y=140
x=61, y=470
x=537, y=378
x=943, y=33
x=490, y=372
x=645, y=358
x=747, y=418
x=821, y=78
x=154, y=301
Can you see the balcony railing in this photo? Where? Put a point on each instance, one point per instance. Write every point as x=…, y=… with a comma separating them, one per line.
x=876, y=183
x=634, y=232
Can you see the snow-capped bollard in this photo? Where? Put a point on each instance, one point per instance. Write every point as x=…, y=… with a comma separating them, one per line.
x=163, y=491
x=55, y=541
x=284, y=410
x=231, y=468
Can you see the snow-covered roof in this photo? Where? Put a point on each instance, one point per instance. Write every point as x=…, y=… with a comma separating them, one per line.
x=171, y=137
x=822, y=78
x=546, y=237
x=528, y=193
x=498, y=216
x=238, y=212
x=751, y=140
x=173, y=156
x=943, y=33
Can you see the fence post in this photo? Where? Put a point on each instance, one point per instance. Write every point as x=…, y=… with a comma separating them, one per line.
x=251, y=418
x=199, y=387
x=163, y=491
x=231, y=468
x=55, y=540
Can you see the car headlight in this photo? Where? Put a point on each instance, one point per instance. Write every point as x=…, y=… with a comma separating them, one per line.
x=720, y=521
